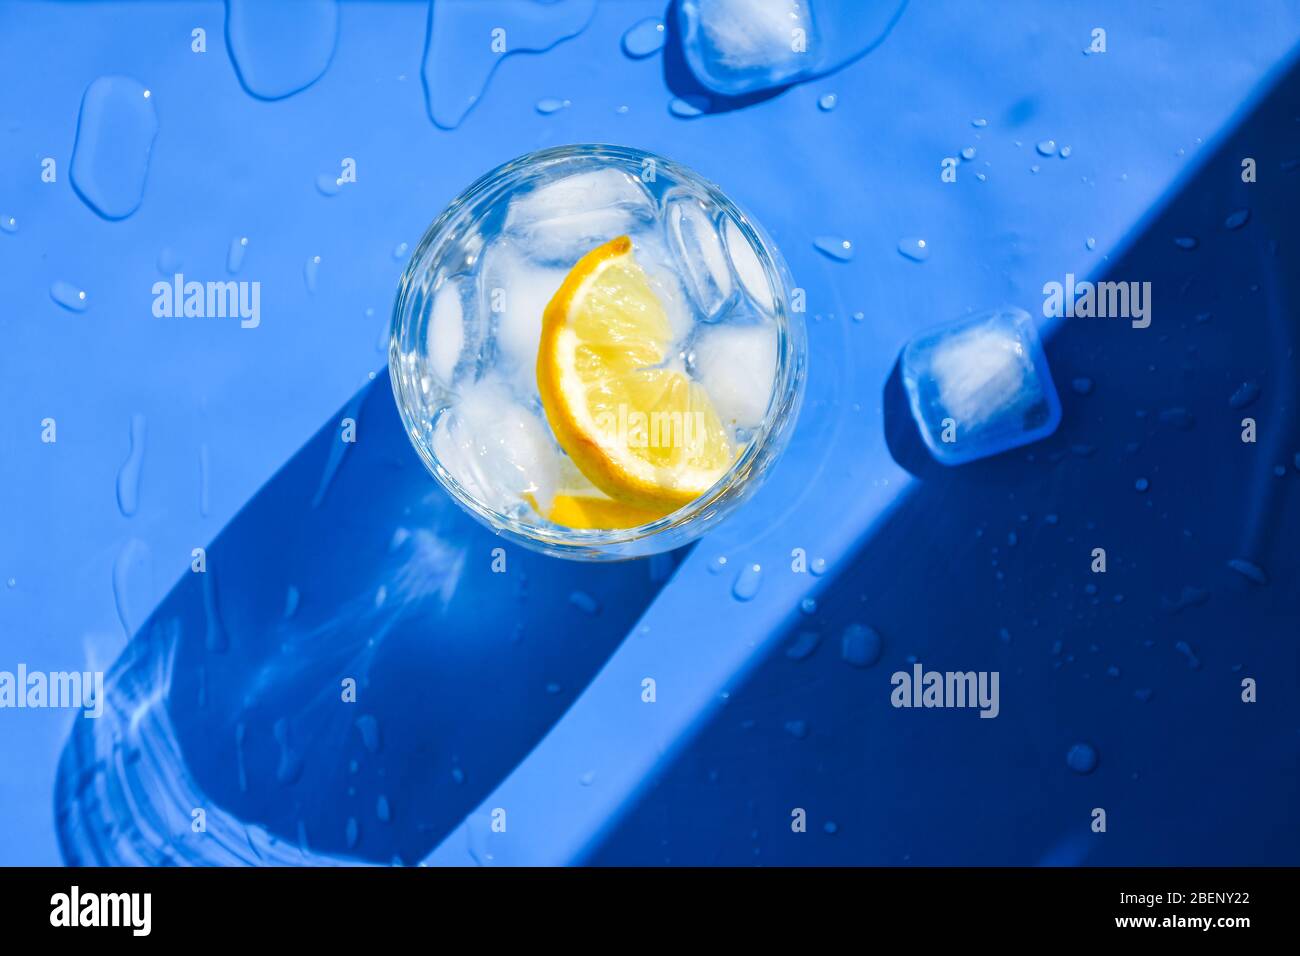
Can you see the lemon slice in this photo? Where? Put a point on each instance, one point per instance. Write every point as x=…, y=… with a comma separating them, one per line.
x=589, y=511
x=641, y=432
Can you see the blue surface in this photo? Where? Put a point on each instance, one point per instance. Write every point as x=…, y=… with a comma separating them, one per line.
x=1188, y=774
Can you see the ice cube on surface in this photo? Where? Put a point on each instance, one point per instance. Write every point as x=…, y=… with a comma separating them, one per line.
x=556, y=223
x=515, y=291
x=736, y=364
x=748, y=268
x=740, y=46
x=700, y=256
x=980, y=386
x=497, y=449
x=447, y=329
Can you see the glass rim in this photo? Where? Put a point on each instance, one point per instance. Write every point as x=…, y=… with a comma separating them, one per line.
x=782, y=403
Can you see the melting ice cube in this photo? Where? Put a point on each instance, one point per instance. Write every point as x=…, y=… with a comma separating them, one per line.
x=447, y=330
x=558, y=222
x=980, y=387
x=736, y=363
x=737, y=46
x=748, y=268
x=743, y=46
x=515, y=291
x=701, y=258
x=496, y=448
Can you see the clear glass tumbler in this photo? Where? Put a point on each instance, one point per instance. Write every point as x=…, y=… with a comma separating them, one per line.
x=469, y=310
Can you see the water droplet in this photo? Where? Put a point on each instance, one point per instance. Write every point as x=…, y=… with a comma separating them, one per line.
x=353, y=833
x=803, y=646
x=584, y=602
x=1245, y=395
x=292, y=599
x=456, y=70
x=588, y=778
x=1082, y=758
x=644, y=38
x=550, y=104
x=241, y=766
x=979, y=123
x=1188, y=597
x=808, y=606
x=1182, y=647
x=1237, y=219
x=818, y=566
x=204, y=480
x=968, y=153
x=12, y=582
x=215, y=638
x=128, y=476
x=327, y=184
x=168, y=262
x=382, y=811
x=836, y=248
x=309, y=273
x=917, y=250
x=289, y=768
x=457, y=775
x=552, y=688
x=747, y=582
x=688, y=107
x=1046, y=147
x=279, y=49
x=718, y=564
x=1065, y=152
x=130, y=579
x=1035, y=168
x=400, y=250
x=1249, y=570
x=828, y=102
x=115, y=134
x=1082, y=385
x=1186, y=242
x=830, y=827
x=1141, y=485
x=69, y=296
x=8, y=223
x=368, y=727
x=860, y=646
x=798, y=729
x=235, y=255
x=1091, y=243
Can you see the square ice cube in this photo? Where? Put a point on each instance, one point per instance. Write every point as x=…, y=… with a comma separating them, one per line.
x=557, y=222
x=739, y=46
x=980, y=387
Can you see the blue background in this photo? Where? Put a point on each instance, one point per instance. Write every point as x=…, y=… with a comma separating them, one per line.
x=522, y=690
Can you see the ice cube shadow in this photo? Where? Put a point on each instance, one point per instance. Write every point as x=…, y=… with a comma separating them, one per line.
x=901, y=434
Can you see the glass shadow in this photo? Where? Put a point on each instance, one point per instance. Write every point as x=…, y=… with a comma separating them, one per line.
x=354, y=668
